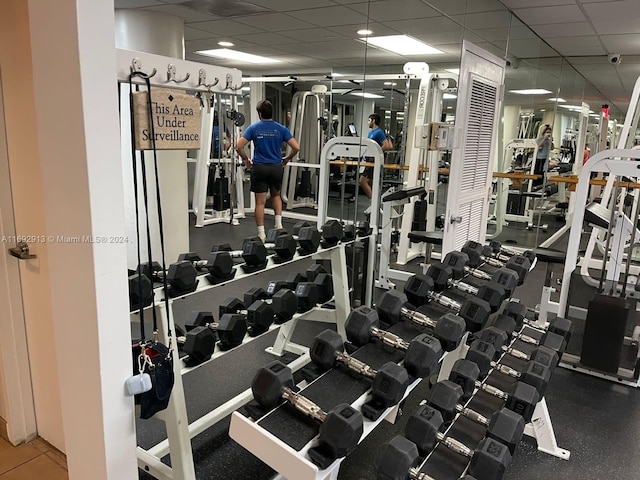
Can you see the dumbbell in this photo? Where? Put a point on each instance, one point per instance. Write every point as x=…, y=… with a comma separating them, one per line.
x=517, y=263
x=219, y=263
x=140, y=291
x=397, y=460
x=181, y=275
x=420, y=290
x=393, y=306
x=281, y=243
x=332, y=232
x=560, y=326
x=491, y=292
x=504, y=253
x=489, y=460
x=262, y=312
x=459, y=261
x=522, y=400
x=421, y=354
x=203, y=332
x=317, y=274
x=505, y=425
x=550, y=341
x=340, y=429
x=535, y=374
x=389, y=383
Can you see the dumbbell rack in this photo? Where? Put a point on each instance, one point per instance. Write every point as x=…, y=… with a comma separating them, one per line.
x=540, y=428
x=295, y=464
x=179, y=431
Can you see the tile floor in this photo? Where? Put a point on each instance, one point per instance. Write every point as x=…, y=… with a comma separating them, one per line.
x=31, y=460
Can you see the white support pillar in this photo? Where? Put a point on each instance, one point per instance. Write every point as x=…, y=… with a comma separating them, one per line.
x=74, y=71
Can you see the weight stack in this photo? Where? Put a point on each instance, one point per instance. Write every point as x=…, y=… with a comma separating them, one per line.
x=221, y=197
x=604, y=331
x=419, y=223
x=304, y=187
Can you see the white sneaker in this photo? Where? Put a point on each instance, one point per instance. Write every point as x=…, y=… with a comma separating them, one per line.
x=279, y=227
x=367, y=210
x=263, y=238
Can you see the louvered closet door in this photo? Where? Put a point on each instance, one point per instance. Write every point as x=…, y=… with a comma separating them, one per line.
x=473, y=156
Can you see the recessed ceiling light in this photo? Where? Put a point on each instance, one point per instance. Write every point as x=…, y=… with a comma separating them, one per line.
x=364, y=31
x=402, y=45
x=448, y=96
x=225, y=44
x=366, y=95
x=246, y=88
x=235, y=55
x=531, y=91
x=449, y=108
x=391, y=83
x=455, y=71
x=558, y=99
x=543, y=110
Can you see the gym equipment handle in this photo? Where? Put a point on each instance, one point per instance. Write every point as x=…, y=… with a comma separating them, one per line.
x=303, y=404
x=21, y=251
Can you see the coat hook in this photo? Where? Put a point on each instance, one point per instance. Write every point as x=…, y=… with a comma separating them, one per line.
x=202, y=80
x=136, y=67
x=230, y=85
x=171, y=74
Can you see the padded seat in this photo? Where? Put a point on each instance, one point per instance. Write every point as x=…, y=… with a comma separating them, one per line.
x=549, y=255
x=433, y=238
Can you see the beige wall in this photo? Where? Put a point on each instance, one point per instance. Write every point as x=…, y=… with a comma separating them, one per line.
x=26, y=182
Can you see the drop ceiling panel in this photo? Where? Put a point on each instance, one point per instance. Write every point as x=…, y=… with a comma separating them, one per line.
x=624, y=44
x=575, y=29
x=195, y=34
x=187, y=14
x=349, y=31
x=210, y=43
x=547, y=15
x=449, y=7
x=273, y=22
x=225, y=27
x=436, y=39
x=312, y=35
x=493, y=34
x=388, y=10
x=425, y=26
x=475, y=21
x=513, y=4
x=136, y=3
x=577, y=45
x=290, y=5
x=521, y=32
x=615, y=17
x=528, y=48
x=266, y=38
x=326, y=17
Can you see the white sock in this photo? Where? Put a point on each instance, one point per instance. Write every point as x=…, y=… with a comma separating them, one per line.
x=278, y=221
x=261, y=231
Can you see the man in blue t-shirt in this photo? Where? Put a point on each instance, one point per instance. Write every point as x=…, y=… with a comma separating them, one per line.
x=376, y=134
x=267, y=163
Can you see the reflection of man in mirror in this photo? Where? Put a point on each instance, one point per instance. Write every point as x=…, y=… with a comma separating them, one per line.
x=267, y=163
x=545, y=145
x=376, y=134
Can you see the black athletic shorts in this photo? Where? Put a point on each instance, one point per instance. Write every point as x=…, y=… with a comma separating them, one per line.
x=266, y=178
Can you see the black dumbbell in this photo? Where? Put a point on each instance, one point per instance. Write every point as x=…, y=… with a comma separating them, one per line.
x=534, y=373
x=459, y=263
x=203, y=332
x=308, y=239
x=393, y=306
x=421, y=354
x=281, y=243
x=317, y=274
x=517, y=263
x=488, y=461
x=442, y=275
x=522, y=400
x=420, y=290
x=140, y=291
x=550, y=345
x=389, y=384
x=558, y=325
x=505, y=425
x=504, y=253
x=220, y=261
x=332, y=232
x=275, y=285
x=340, y=429
x=180, y=276
x=262, y=312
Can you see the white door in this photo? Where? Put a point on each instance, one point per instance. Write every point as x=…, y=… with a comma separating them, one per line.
x=473, y=156
x=16, y=395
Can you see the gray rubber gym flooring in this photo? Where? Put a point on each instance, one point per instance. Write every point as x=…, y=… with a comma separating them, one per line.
x=598, y=421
